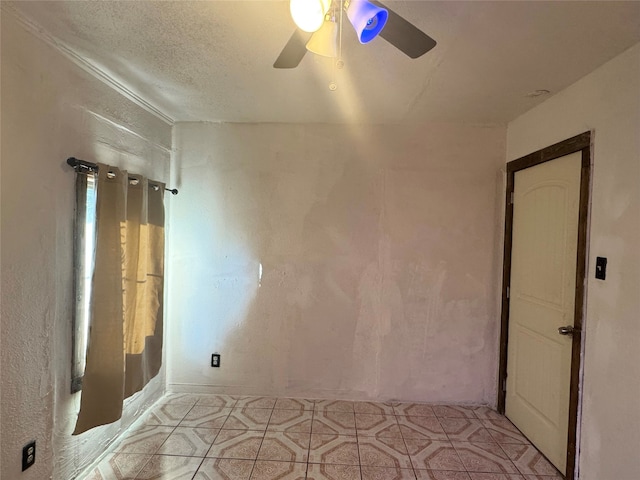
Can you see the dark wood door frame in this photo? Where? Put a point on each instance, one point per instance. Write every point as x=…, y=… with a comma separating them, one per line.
x=579, y=143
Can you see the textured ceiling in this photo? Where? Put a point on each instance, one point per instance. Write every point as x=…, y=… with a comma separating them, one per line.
x=212, y=60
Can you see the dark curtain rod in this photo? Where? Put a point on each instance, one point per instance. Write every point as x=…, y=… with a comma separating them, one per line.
x=93, y=167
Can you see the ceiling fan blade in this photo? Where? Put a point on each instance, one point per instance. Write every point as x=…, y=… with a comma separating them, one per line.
x=405, y=36
x=294, y=50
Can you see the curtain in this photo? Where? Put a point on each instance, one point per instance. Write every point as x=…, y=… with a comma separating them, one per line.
x=125, y=340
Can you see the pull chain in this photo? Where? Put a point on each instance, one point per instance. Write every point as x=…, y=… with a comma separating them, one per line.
x=338, y=63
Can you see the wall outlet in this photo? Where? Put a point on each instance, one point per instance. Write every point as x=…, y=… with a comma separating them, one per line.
x=28, y=455
x=215, y=360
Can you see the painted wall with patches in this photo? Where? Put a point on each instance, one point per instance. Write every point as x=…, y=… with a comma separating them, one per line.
x=337, y=261
x=52, y=110
x=606, y=101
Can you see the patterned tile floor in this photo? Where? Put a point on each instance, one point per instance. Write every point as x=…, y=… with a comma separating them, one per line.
x=221, y=437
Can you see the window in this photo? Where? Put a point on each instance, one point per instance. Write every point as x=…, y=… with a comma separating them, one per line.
x=119, y=285
x=84, y=261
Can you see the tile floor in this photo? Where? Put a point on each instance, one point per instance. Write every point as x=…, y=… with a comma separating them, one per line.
x=221, y=437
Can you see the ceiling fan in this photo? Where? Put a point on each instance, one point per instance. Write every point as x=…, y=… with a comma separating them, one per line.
x=319, y=21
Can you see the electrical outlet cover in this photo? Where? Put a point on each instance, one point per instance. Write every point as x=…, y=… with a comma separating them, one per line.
x=215, y=360
x=28, y=455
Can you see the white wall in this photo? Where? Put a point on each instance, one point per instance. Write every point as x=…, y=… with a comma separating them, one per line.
x=608, y=102
x=51, y=110
x=378, y=248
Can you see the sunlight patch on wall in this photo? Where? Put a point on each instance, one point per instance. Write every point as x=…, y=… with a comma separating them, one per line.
x=210, y=315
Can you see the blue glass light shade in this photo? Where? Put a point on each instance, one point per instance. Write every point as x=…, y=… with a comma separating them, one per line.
x=367, y=19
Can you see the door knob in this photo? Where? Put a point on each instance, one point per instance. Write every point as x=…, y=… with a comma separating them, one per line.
x=568, y=330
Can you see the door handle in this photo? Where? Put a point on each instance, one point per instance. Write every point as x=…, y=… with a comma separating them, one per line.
x=568, y=330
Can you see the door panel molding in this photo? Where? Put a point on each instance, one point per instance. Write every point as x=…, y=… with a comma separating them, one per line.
x=579, y=143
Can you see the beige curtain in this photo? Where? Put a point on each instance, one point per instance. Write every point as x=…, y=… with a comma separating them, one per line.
x=125, y=340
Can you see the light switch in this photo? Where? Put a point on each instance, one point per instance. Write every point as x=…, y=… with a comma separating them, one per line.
x=601, y=268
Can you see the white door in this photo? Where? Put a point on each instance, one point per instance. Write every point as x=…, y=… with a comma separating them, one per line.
x=542, y=297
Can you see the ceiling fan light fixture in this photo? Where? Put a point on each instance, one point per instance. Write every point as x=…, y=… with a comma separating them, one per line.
x=308, y=15
x=325, y=41
x=367, y=19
